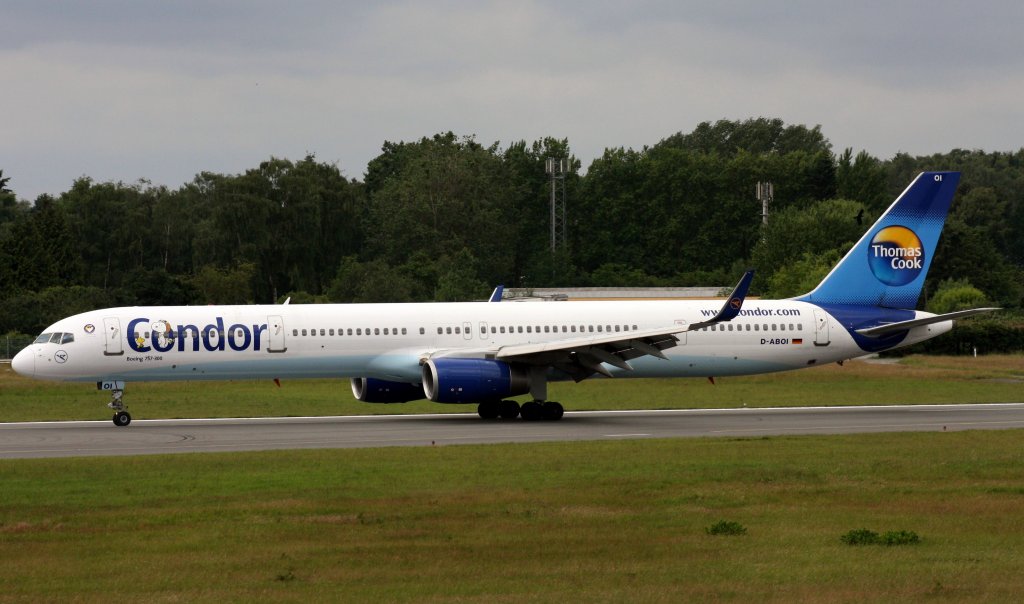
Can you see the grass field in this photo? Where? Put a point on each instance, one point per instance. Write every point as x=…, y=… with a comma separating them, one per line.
x=600, y=521
x=920, y=379
x=594, y=521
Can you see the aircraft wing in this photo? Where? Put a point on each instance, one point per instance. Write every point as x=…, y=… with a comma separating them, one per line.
x=585, y=356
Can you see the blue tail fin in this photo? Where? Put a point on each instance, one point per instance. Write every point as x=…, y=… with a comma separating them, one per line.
x=888, y=265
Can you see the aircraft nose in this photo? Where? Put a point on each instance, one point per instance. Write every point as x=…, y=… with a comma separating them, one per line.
x=24, y=363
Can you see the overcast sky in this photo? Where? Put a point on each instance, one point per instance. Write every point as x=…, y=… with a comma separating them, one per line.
x=128, y=89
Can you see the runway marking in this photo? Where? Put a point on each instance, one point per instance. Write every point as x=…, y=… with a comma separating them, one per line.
x=626, y=435
x=438, y=416
x=803, y=429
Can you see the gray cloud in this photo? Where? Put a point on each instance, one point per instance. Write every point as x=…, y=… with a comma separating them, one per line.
x=141, y=89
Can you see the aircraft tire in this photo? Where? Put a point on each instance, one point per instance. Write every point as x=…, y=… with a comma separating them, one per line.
x=122, y=418
x=553, y=411
x=532, y=411
x=508, y=409
x=489, y=409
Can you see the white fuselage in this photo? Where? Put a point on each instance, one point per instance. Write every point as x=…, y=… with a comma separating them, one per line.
x=390, y=341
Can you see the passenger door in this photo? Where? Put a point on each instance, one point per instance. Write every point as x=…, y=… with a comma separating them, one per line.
x=275, y=329
x=821, y=337
x=112, y=335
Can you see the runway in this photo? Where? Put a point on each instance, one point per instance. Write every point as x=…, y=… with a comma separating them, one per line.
x=147, y=437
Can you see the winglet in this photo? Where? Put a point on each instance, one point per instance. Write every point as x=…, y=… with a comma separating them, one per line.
x=734, y=303
x=496, y=294
x=731, y=309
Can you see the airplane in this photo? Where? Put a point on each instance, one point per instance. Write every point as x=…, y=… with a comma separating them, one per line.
x=485, y=353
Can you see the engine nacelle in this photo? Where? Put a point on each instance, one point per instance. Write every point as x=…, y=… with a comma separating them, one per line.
x=472, y=380
x=372, y=390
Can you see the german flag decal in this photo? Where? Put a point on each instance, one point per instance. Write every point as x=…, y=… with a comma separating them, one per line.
x=798, y=340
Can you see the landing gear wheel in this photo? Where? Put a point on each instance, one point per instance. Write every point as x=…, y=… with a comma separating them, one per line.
x=122, y=418
x=553, y=411
x=532, y=411
x=489, y=409
x=508, y=409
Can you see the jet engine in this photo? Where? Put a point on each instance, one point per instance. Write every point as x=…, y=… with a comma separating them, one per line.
x=447, y=380
x=372, y=390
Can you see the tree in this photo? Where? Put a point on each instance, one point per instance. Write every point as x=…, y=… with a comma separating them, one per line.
x=803, y=275
x=796, y=234
x=956, y=294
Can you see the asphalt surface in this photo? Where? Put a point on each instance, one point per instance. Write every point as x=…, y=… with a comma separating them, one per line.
x=144, y=437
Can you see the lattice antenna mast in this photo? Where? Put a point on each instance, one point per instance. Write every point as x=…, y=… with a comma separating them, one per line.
x=765, y=194
x=557, y=168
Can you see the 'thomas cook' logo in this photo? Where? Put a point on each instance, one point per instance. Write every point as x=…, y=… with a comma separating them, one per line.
x=896, y=255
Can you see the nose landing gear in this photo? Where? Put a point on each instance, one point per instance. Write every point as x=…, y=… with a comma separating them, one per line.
x=121, y=417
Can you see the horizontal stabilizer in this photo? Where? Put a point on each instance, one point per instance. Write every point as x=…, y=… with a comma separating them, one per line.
x=882, y=330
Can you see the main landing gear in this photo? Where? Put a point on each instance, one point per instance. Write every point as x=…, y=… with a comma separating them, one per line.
x=121, y=417
x=530, y=411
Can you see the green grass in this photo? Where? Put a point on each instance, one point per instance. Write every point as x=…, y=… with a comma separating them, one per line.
x=920, y=379
x=554, y=522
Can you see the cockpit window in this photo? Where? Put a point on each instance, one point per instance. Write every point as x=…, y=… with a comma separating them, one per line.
x=55, y=338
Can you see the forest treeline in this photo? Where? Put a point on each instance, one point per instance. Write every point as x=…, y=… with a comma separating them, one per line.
x=448, y=218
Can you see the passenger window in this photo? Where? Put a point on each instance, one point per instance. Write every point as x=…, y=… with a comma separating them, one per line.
x=440, y=330
x=295, y=332
x=634, y=328
x=766, y=327
x=312, y=332
x=791, y=327
x=800, y=326
x=349, y=331
x=529, y=329
x=403, y=331
x=359, y=331
x=376, y=331
x=448, y=330
x=494, y=329
x=303, y=332
x=756, y=327
x=616, y=329
x=572, y=328
x=385, y=331
x=774, y=327
x=547, y=329
x=565, y=329
x=730, y=326
x=520, y=328
x=502, y=329
x=591, y=328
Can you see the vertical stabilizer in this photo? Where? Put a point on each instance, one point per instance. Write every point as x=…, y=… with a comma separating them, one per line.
x=887, y=267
